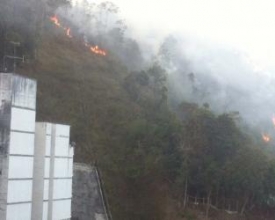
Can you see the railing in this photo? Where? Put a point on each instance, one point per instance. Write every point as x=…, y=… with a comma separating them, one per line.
x=230, y=206
x=103, y=194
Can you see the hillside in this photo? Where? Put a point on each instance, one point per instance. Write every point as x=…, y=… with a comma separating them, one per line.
x=156, y=162
x=88, y=92
x=77, y=87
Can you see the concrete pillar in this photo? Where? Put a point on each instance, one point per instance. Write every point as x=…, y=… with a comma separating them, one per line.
x=38, y=170
x=51, y=177
x=17, y=127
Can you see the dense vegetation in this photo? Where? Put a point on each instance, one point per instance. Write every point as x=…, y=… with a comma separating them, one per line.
x=151, y=157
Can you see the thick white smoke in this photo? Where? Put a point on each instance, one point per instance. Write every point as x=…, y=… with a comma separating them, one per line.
x=227, y=46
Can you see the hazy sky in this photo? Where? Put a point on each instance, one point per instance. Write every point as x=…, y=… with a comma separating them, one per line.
x=247, y=25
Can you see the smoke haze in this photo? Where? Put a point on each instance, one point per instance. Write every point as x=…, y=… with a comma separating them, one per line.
x=227, y=45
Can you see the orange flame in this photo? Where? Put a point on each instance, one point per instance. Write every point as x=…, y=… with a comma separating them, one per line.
x=97, y=50
x=94, y=49
x=266, y=138
x=68, y=32
x=55, y=20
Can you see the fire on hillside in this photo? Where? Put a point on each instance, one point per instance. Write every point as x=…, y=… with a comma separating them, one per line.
x=94, y=49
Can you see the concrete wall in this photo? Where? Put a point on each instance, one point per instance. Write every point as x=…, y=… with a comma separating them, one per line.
x=5, y=117
x=38, y=170
x=35, y=160
x=62, y=173
x=87, y=203
x=18, y=101
x=21, y=151
x=53, y=172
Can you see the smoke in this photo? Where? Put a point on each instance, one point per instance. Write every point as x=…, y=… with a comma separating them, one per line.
x=100, y=23
x=223, y=77
x=226, y=46
x=209, y=59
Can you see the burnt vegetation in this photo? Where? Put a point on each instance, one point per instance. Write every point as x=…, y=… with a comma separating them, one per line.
x=155, y=154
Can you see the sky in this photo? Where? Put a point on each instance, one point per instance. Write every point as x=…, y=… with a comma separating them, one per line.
x=245, y=25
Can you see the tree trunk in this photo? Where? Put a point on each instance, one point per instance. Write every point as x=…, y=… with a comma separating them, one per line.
x=208, y=203
x=244, y=205
x=217, y=197
x=185, y=194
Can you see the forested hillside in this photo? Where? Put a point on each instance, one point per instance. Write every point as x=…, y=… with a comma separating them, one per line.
x=154, y=153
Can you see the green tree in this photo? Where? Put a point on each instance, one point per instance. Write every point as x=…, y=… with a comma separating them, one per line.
x=245, y=175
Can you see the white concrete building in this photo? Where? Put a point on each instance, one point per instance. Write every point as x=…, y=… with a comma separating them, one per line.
x=17, y=127
x=35, y=159
x=53, y=166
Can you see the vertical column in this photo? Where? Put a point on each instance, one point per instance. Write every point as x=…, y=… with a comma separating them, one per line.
x=51, y=175
x=21, y=148
x=60, y=174
x=38, y=170
x=5, y=117
x=63, y=173
x=47, y=173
